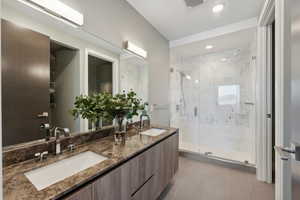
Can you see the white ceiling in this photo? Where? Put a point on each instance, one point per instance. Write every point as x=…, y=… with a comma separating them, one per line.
x=241, y=40
x=175, y=20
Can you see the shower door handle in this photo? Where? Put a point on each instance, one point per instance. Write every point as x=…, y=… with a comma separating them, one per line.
x=249, y=103
x=284, y=153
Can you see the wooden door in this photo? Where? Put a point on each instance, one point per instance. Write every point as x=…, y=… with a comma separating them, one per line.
x=25, y=82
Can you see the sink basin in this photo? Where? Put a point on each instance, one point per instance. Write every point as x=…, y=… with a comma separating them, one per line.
x=43, y=177
x=153, y=132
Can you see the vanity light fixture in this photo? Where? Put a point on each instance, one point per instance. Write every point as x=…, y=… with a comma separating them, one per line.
x=209, y=47
x=218, y=8
x=135, y=49
x=58, y=10
x=188, y=77
x=197, y=81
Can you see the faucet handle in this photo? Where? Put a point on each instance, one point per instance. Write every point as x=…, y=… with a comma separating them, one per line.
x=71, y=147
x=37, y=155
x=41, y=156
x=44, y=154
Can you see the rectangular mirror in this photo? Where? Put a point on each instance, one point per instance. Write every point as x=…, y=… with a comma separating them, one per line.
x=54, y=64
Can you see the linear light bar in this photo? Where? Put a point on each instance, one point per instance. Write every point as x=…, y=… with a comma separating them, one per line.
x=56, y=9
x=135, y=49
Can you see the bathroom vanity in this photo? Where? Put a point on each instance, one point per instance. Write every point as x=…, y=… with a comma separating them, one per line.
x=138, y=169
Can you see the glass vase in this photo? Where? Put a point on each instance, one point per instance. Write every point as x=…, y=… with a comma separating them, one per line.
x=120, y=127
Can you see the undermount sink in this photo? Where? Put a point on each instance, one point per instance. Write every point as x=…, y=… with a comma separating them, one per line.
x=43, y=177
x=153, y=132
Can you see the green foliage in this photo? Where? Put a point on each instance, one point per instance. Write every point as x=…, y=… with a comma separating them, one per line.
x=105, y=105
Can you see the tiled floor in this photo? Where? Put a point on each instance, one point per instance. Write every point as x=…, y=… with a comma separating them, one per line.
x=196, y=180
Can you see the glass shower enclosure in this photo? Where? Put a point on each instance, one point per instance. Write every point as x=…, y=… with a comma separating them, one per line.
x=212, y=103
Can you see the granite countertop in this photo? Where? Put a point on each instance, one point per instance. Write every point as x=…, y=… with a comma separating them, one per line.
x=18, y=187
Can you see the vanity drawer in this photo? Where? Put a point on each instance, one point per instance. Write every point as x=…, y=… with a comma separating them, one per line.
x=142, y=168
x=146, y=191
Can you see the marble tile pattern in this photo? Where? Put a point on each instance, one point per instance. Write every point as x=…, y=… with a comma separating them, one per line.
x=18, y=187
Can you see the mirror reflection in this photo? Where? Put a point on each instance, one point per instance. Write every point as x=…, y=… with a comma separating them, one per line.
x=40, y=86
x=134, y=76
x=63, y=62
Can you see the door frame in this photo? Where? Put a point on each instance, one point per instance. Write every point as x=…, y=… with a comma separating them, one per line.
x=85, y=77
x=264, y=60
x=278, y=10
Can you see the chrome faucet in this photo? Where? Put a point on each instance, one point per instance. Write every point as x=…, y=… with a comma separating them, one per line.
x=57, y=132
x=144, y=114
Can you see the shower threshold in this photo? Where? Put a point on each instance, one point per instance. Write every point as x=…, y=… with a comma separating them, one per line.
x=209, y=157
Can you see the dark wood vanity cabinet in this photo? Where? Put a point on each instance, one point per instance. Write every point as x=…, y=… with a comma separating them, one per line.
x=144, y=177
x=85, y=193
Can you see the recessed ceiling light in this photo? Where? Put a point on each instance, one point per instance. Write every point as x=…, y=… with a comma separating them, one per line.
x=209, y=46
x=188, y=77
x=218, y=8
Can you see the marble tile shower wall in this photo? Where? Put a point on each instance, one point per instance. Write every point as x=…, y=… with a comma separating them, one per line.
x=211, y=102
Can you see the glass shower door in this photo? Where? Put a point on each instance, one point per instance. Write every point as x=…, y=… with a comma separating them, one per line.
x=212, y=105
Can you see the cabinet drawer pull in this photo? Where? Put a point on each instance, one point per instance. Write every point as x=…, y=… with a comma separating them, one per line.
x=142, y=185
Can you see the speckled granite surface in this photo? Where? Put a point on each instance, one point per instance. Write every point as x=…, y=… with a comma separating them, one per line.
x=18, y=187
x=25, y=151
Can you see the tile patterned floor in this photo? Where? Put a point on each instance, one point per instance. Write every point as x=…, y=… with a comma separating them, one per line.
x=203, y=181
